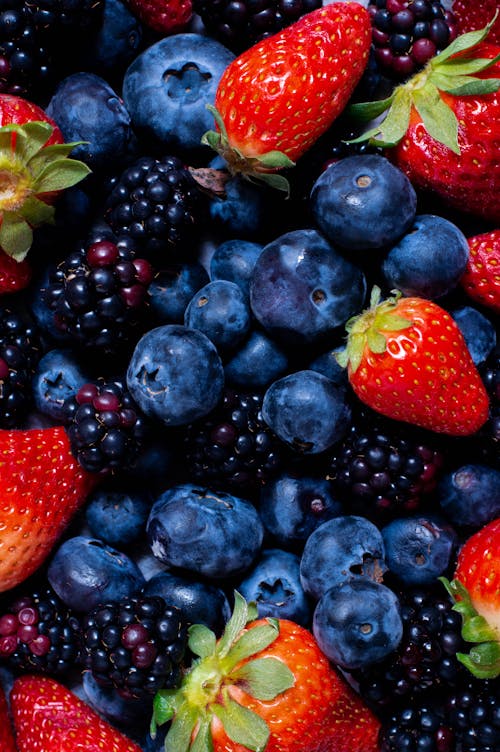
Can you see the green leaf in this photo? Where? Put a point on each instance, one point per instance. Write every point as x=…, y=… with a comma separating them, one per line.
x=477, y=629
x=234, y=626
x=356, y=348
x=439, y=120
x=470, y=86
x=30, y=139
x=464, y=67
x=376, y=341
x=164, y=706
x=202, y=640
x=274, y=158
x=242, y=725
x=394, y=126
x=16, y=236
x=366, y=111
x=249, y=643
x=49, y=154
x=218, y=119
x=264, y=678
x=179, y=734
x=341, y=357
x=483, y=661
x=464, y=42
x=279, y=182
x=203, y=739
x=60, y=174
x=37, y=212
x=212, y=139
x=393, y=323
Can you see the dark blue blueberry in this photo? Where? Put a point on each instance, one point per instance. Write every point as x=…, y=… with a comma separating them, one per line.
x=175, y=374
x=257, y=362
x=470, y=495
x=58, y=376
x=121, y=712
x=172, y=289
x=342, y=549
x=274, y=586
x=153, y=466
x=87, y=109
x=111, y=47
x=167, y=87
x=357, y=623
x=211, y=534
x=43, y=315
x=221, y=311
x=292, y=507
x=307, y=411
x=363, y=202
x=235, y=260
x=419, y=549
x=302, y=289
x=478, y=331
x=327, y=364
x=243, y=210
x=85, y=572
x=199, y=602
x=118, y=517
x=429, y=260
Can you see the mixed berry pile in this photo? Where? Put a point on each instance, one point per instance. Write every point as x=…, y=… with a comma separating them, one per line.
x=249, y=376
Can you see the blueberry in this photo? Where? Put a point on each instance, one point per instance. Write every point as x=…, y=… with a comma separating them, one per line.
x=470, y=495
x=478, y=332
x=429, y=260
x=342, y=549
x=117, y=517
x=220, y=310
x=167, y=87
x=127, y=713
x=243, y=210
x=234, y=260
x=85, y=572
x=363, y=202
x=327, y=364
x=172, y=289
x=87, y=109
x=175, y=374
x=302, y=289
x=292, y=507
x=211, y=534
x=419, y=549
x=257, y=362
x=357, y=623
x=307, y=411
x=112, y=46
x=58, y=376
x=274, y=586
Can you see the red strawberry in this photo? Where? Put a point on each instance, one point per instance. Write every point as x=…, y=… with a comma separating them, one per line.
x=42, y=487
x=279, y=96
x=14, y=275
x=49, y=718
x=165, y=16
x=264, y=685
x=481, y=279
x=20, y=111
x=408, y=360
x=441, y=127
x=7, y=743
x=476, y=590
x=472, y=15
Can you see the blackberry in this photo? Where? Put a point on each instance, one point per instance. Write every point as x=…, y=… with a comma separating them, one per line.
x=157, y=204
x=20, y=351
x=232, y=448
x=417, y=729
x=474, y=714
x=424, y=661
x=383, y=469
x=489, y=434
x=239, y=25
x=136, y=645
x=39, y=633
x=98, y=296
x=106, y=429
x=406, y=34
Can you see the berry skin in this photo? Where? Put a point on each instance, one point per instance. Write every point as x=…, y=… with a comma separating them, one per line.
x=116, y=516
x=471, y=15
x=479, y=332
x=165, y=16
x=481, y=278
x=469, y=495
x=7, y=743
x=14, y=275
x=221, y=311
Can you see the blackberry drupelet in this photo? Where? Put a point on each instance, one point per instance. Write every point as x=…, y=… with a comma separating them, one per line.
x=157, y=204
x=106, y=428
x=98, y=296
x=383, y=469
x=474, y=714
x=489, y=434
x=239, y=25
x=406, y=34
x=233, y=448
x=136, y=646
x=39, y=633
x=417, y=729
x=20, y=351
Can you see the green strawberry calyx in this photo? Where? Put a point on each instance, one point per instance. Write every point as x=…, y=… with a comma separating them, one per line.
x=29, y=171
x=261, y=168
x=366, y=329
x=451, y=71
x=483, y=660
x=205, y=690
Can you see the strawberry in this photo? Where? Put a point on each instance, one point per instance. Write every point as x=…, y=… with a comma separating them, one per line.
x=476, y=591
x=42, y=487
x=7, y=743
x=165, y=16
x=441, y=126
x=14, y=275
x=275, y=99
x=472, y=15
x=481, y=279
x=34, y=168
x=49, y=718
x=408, y=360
x=265, y=685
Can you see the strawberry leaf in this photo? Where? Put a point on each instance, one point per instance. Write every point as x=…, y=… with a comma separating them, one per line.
x=366, y=111
x=278, y=182
x=180, y=732
x=60, y=174
x=164, y=706
x=251, y=642
x=37, y=212
x=483, y=661
x=394, y=126
x=16, y=236
x=202, y=640
x=218, y=119
x=464, y=42
x=464, y=67
x=439, y=120
x=242, y=725
x=30, y=138
x=376, y=341
x=212, y=139
x=276, y=159
x=234, y=626
x=470, y=86
x=203, y=739
x=264, y=678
